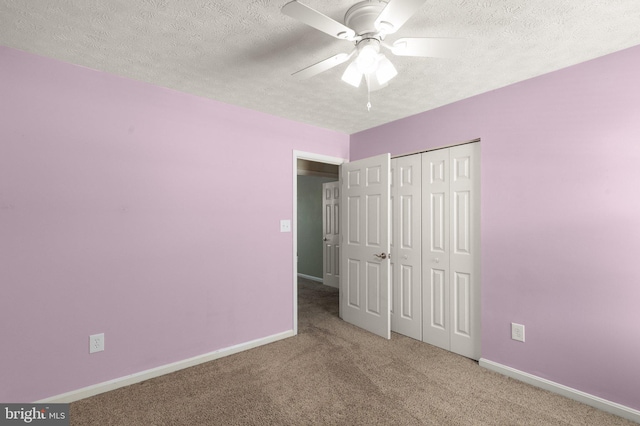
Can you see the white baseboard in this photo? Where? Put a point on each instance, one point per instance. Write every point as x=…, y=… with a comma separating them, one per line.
x=320, y=280
x=594, y=401
x=310, y=277
x=141, y=376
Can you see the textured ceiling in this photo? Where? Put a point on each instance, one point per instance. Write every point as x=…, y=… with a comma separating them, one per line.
x=243, y=52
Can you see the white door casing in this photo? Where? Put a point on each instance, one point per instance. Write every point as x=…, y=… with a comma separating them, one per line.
x=331, y=233
x=406, y=260
x=451, y=249
x=365, y=273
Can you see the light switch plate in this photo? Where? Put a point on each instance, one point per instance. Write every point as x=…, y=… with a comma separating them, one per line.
x=285, y=225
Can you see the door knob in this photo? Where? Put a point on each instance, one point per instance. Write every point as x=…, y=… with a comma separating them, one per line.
x=325, y=239
x=381, y=255
x=436, y=260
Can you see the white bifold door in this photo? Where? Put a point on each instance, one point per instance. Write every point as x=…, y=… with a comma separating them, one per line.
x=451, y=249
x=406, y=260
x=410, y=244
x=365, y=273
x=331, y=233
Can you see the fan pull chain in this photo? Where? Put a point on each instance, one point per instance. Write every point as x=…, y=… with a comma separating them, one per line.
x=368, y=96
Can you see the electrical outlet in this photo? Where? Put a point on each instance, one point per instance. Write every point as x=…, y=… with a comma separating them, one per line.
x=285, y=225
x=96, y=343
x=517, y=332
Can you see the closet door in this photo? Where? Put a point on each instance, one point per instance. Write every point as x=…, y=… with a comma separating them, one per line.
x=406, y=261
x=465, y=249
x=451, y=249
x=436, y=329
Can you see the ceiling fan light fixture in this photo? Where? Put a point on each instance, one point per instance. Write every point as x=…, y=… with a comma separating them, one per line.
x=373, y=83
x=367, y=23
x=352, y=75
x=367, y=59
x=386, y=71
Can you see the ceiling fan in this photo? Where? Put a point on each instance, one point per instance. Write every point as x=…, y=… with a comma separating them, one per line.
x=366, y=24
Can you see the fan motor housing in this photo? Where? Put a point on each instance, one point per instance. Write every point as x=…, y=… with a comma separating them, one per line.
x=361, y=17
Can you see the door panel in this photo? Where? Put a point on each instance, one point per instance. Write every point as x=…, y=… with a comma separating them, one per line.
x=365, y=287
x=436, y=326
x=406, y=312
x=406, y=291
x=461, y=224
x=373, y=288
x=437, y=289
x=465, y=256
x=373, y=220
x=331, y=233
x=462, y=325
x=353, y=291
x=353, y=212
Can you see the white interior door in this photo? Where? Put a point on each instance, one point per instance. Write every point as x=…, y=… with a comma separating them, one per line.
x=364, y=279
x=451, y=249
x=331, y=233
x=406, y=260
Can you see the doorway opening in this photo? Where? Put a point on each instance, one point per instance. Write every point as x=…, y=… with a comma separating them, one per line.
x=316, y=168
x=314, y=179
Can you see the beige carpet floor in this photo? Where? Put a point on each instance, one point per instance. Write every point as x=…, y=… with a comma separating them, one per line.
x=333, y=373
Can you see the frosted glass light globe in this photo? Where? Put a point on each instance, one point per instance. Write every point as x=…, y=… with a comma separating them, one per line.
x=367, y=59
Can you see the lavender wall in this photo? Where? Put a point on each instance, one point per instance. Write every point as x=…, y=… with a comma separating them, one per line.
x=560, y=218
x=147, y=214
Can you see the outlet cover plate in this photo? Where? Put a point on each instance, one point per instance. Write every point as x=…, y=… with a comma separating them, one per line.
x=517, y=332
x=285, y=225
x=96, y=343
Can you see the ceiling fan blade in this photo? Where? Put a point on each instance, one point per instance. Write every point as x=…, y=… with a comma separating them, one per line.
x=322, y=66
x=428, y=47
x=396, y=13
x=317, y=20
